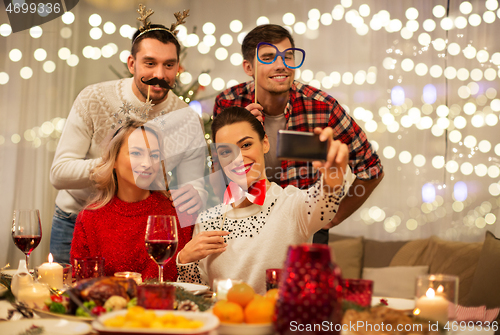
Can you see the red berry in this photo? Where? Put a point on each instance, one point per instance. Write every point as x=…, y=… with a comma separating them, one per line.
x=56, y=298
x=98, y=310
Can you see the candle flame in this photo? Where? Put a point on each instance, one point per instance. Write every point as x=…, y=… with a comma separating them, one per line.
x=51, y=259
x=440, y=289
x=416, y=311
x=430, y=293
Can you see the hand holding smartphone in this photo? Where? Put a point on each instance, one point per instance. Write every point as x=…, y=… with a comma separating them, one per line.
x=300, y=146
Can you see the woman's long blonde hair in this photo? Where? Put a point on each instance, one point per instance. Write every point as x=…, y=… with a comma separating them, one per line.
x=103, y=175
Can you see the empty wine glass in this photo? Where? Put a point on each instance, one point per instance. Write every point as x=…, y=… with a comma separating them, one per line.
x=26, y=230
x=161, y=239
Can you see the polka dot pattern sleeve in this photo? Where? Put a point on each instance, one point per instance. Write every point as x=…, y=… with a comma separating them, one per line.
x=314, y=208
x=189, y=273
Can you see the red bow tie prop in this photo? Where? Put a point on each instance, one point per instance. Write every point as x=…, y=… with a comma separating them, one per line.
x=256, y=193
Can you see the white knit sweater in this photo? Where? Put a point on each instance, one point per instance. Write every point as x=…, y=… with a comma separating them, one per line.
x=260, y=235
x=90, y=122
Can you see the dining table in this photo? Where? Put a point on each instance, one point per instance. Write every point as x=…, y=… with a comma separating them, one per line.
x=5, y=306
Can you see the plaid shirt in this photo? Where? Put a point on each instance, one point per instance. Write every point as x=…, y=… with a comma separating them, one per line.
x=306, y=109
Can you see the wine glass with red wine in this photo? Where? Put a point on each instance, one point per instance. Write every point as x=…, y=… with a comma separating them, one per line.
x=26, y=230
x=161, y=239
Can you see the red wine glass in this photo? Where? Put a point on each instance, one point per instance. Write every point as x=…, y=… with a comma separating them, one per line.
x=161, y=239
x=26, y=230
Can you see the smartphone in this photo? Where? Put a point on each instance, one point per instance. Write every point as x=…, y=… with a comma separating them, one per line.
x=300, y=146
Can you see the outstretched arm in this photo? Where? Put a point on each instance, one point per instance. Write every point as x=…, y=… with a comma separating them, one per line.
x=359, y=191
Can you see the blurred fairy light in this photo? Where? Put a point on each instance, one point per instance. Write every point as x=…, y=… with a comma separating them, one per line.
x=36, y=32
x=262, y=20
x=221, y=54
x=109, y=28
x=479, y=108
x=411, y=13
x=236, y=59
x=26, y=72
x=208, y=28
x=326, y=19
x=428, y=193
x=68, y=18
x=204, y=79
x=288, y=19
x=439, y=11
x=15, y=55
x=474, y=20
x=235, y=26
x=127, y=31
x=4, y=78
x=338, y=12
x=66, y=32
x=429, y=25
x=95, y=20
x=397, y=95
x=300, y=28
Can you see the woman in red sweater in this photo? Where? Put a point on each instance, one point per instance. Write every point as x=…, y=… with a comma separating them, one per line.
x=113, y=226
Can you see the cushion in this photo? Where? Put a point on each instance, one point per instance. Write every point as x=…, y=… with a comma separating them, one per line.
x=485, y=283
x=443, y=257
x=395, y=281
x=378, y=254
x=348, y=255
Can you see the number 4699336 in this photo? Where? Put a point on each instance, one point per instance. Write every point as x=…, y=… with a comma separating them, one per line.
x=471, y=326
x=33, y=8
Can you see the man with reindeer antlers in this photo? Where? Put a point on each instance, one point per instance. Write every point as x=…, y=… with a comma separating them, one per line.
x=98, y=113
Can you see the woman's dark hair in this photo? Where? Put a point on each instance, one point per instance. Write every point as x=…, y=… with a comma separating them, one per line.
x=234, y=115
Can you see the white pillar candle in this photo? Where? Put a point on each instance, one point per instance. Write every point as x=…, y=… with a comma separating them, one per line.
x=432, y=307
x=34, y=295
x=51, y=274
x=132, y=275
x=222, y=286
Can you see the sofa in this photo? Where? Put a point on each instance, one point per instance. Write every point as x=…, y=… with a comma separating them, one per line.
x=394, y=265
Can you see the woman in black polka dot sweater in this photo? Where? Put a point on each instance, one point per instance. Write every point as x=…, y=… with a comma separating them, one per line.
x=242, y=239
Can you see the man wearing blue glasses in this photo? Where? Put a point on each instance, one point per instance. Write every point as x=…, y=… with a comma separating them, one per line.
x=283, y=103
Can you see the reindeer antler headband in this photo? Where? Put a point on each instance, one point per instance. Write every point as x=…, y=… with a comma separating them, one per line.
x=146, y=25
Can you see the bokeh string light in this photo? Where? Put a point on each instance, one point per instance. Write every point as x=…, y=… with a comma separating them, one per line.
x=399, y=115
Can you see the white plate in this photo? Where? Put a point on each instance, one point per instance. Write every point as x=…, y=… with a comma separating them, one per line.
x=210, y=322
x=53, y=327
x=192, y=287
x=245, y=329
x=395, y=303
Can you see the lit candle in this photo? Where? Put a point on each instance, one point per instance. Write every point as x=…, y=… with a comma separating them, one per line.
x=132, y=275
x=222, y=286
x=432, y=307
x=51, y=274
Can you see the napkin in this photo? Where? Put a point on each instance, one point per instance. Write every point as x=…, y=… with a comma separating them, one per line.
x=474, y=313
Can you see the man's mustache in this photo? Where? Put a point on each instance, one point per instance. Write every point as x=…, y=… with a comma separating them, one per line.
x=155, y=81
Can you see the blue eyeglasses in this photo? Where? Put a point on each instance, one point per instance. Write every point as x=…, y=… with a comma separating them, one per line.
x=292, y=58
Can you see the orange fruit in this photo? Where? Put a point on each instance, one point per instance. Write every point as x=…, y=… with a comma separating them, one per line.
x=241, y=293
x=229, y=312
x=272, y=295
x=259, y=311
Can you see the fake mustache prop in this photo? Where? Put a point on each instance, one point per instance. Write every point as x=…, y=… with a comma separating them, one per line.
x=155, y=81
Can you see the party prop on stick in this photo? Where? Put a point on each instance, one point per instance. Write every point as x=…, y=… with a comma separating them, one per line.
x=256, y=62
